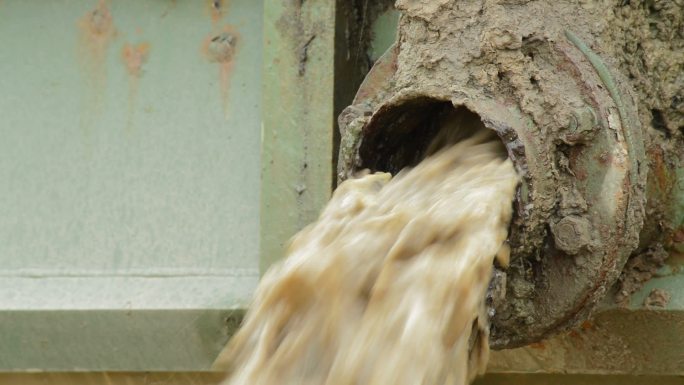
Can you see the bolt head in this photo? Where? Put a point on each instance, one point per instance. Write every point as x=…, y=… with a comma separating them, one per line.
x=571, y=234
x=582, y=126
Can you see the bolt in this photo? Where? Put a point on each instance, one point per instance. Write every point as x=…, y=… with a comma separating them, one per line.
x=571, y=234
x=582, y=126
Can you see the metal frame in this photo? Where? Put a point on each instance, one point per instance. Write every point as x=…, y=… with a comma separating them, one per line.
x=125, y=318
x=298, y=119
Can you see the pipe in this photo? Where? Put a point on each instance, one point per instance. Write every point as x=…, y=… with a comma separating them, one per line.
x=548, y=78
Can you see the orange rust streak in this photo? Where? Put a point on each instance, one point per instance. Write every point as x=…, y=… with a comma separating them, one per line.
x=134, y=57
x=96, y=31
x=221, y=48
x=98, y=22
x=658, y=167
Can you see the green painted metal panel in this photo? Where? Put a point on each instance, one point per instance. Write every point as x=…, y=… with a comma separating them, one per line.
x=103, y=170
x=298, y=120
x=129, y=181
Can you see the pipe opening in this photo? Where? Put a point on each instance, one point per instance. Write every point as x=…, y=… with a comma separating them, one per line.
x=402, y=135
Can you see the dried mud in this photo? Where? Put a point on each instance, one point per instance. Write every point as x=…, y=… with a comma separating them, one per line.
x=598, y=85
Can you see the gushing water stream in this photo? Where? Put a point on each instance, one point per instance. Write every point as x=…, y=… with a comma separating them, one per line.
x=388, y=286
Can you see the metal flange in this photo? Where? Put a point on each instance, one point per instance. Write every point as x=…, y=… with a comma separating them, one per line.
x=579, y=208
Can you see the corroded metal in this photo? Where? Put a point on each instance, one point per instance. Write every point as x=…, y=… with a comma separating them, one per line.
x=580, y=206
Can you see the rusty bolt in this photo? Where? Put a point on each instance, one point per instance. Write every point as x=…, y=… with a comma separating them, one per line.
x=221, y=47
x=582, y=126
x=571, y=234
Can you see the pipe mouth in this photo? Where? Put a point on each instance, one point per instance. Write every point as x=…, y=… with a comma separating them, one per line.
x=408, y=128
x=574, y=213
x=401, y=135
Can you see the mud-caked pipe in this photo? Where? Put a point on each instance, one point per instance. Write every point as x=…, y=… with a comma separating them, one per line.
x=584, y=120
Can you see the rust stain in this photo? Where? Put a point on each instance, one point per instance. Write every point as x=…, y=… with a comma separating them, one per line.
x=133, y=57
x=587, y=325
x=655, y=154
x=96, y=32
x=678, y=235
x=216, y=9
x=581, y=174
x=97, y=25
x=538, y=346
x=574, y=157
x=221, y=48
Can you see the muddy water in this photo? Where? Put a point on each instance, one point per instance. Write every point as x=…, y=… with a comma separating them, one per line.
x=388, y=286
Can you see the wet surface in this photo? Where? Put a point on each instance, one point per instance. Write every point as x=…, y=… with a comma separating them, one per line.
x=388, y=286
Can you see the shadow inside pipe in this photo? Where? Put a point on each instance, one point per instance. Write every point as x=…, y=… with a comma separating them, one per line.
x=402, y=135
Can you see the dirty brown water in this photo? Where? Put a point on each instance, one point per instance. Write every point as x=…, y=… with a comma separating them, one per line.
x=388, y=286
